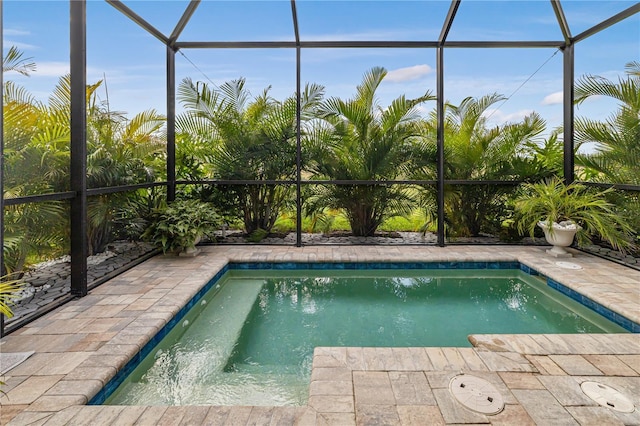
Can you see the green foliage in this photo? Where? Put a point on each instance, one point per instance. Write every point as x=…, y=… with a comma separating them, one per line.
x=15, y=61
x=549, y=155
x=358, y=139
x=554, y=201
x=181, y=224
x=31, y=167
x=34, y=228
x=411, y=223
x=474, y=151
x=257, y=235
x=617, y=139
x=8, y=290
x=228, y=134
x=121, y=151
x=322, y=220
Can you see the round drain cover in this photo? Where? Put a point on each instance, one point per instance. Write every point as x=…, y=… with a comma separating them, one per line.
x=607, y=396
x=476, y=394
x=568, y=265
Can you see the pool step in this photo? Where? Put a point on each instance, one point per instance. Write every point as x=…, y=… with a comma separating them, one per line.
x=220, y=324
x=280, y=370
x=225, y=389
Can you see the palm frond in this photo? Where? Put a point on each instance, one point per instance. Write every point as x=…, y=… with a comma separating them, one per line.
x=366, y=91
x=143, y=125
x=8, y=293
x=14, y=60
x=633, y=68
x=235, y=94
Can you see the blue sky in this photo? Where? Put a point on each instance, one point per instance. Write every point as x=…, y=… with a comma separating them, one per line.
x=133, y=62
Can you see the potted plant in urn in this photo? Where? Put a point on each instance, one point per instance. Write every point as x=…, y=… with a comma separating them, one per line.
x=567, y=211
x=179, y=226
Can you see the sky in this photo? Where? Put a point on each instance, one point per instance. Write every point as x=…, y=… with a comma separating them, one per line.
x=132, y=63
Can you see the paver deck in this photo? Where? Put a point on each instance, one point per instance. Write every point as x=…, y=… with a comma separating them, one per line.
x=80, y=346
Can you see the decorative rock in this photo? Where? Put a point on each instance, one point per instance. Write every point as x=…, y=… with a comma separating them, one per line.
x=49, y=281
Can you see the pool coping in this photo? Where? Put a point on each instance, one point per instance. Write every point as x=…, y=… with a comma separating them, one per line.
x=102, y=331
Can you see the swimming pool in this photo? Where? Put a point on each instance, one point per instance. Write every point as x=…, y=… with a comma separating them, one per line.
x=239, y=346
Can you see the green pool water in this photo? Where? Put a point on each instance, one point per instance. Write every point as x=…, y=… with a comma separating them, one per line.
x=250, y=340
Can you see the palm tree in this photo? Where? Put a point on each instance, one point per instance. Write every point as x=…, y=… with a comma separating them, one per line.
x=120, y=151
x=36, y=147
x=357, y=139
x=616, y=157
x=248, y=139
x=474, y=151
x=30, y=168
x=617, y=139
x=36, y=137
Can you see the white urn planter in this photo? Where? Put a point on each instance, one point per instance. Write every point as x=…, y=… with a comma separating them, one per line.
x=560, y=236
x=192, y=251
x=189, y=252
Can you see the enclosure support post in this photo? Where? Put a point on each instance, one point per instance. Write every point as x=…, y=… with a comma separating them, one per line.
x=568, y=113
x=440, y=136
x=1, y=168
x=294, y=17
x=171, y=124
x=298, y=155
x=78, y=147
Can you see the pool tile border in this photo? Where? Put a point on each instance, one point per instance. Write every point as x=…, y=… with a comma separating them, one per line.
x=612, y=316
x=372, y=265
x=112, y=385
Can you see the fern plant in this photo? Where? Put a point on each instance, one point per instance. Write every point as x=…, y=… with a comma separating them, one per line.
x=553, y=201
x=180, y=225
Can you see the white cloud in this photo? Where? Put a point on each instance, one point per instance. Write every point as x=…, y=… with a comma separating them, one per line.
x=409, y=73
x=15, y=32
x=18, y=44
x=51, y=69
x=553, y=99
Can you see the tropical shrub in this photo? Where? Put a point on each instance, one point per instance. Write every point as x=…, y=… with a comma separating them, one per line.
x=36, y=136
x=474, y=151
x=120, y=151
x=358, y=139
x=30, y=168
x=248, y=139
x=615, y=157
x=181, y=224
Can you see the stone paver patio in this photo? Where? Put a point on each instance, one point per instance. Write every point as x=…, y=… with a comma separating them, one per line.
x=80, y=346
